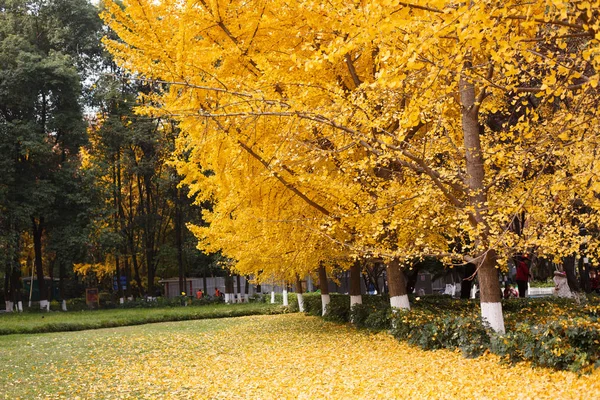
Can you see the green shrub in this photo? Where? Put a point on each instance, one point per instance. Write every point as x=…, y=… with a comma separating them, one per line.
x=338, y=309
x=312, y=304
x=549, y=332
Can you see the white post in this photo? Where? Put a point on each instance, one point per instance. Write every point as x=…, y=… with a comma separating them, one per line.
x=325, y=300
x=20, y=306
x=272, y=297
x=44, y=304
x=285, y=298
x=300, y=301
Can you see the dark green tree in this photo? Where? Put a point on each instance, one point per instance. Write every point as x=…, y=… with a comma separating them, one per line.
x=45, y=49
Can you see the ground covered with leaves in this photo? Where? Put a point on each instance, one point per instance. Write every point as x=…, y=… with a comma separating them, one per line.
x=283, y=356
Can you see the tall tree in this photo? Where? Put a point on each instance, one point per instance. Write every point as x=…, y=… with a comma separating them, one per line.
x=44, y=47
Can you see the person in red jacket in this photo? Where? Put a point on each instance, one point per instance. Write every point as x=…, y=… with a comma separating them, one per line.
x=522, y=276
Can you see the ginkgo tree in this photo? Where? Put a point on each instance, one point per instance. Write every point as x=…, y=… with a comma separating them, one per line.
x=402, y=124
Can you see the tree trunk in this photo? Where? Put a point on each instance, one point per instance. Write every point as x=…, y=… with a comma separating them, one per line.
x=229, y=289
x=491, y=307
x=324, y=286
x=204, y=286
x=119, y=286
x=397, y=285
x=7, y=301
x=38, y=229
x=466, y=283
x=569, y=268
x=284, y=294
x=584, y=277
x=127, y=274
x=179, y=241
x=299, y=294
x=62, y=276
x=355, y=292
x=246, y=289
x=239, y=289
x=411, y=277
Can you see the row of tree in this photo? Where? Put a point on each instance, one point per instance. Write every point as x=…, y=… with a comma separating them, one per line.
x=326, y=132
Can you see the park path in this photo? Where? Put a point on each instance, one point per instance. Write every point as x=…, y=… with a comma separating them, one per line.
x=262, y=357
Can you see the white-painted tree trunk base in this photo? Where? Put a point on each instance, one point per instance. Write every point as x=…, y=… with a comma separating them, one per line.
x=300, y=301
x=272, y=297
x=227, y=300
x=20, y=306
x=64, y=305
x=239, y=298
x=285, y=298
x=325, y=300
x=44, y=305
x=246, y=298
x=355, y=300
x=492, y=314
x=121, y=300
x=400, y=302
x=9, y=306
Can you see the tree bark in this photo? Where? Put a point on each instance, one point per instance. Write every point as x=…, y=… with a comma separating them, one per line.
x=179, y=241
x=491, y=307
x=239, y=288
x=229, y=289
x=204, y=286
x=299, y=294
x=584, y=277
x=62, y=276
x=397, y=285
x=324, y=287
x=246, y=289
x=466, y=284
x=38, y=230
x=355, y=292
x=569, y=268
x=284, y=294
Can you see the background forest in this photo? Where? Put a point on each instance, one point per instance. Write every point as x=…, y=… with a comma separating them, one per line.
x=86, y=189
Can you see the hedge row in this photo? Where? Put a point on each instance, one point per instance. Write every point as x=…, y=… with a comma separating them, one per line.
x=548, y=332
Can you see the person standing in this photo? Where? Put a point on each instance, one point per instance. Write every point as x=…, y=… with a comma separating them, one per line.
x=522, y=276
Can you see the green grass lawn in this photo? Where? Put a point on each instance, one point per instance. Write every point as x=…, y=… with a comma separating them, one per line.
x=12, y=323
x=261, y=357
